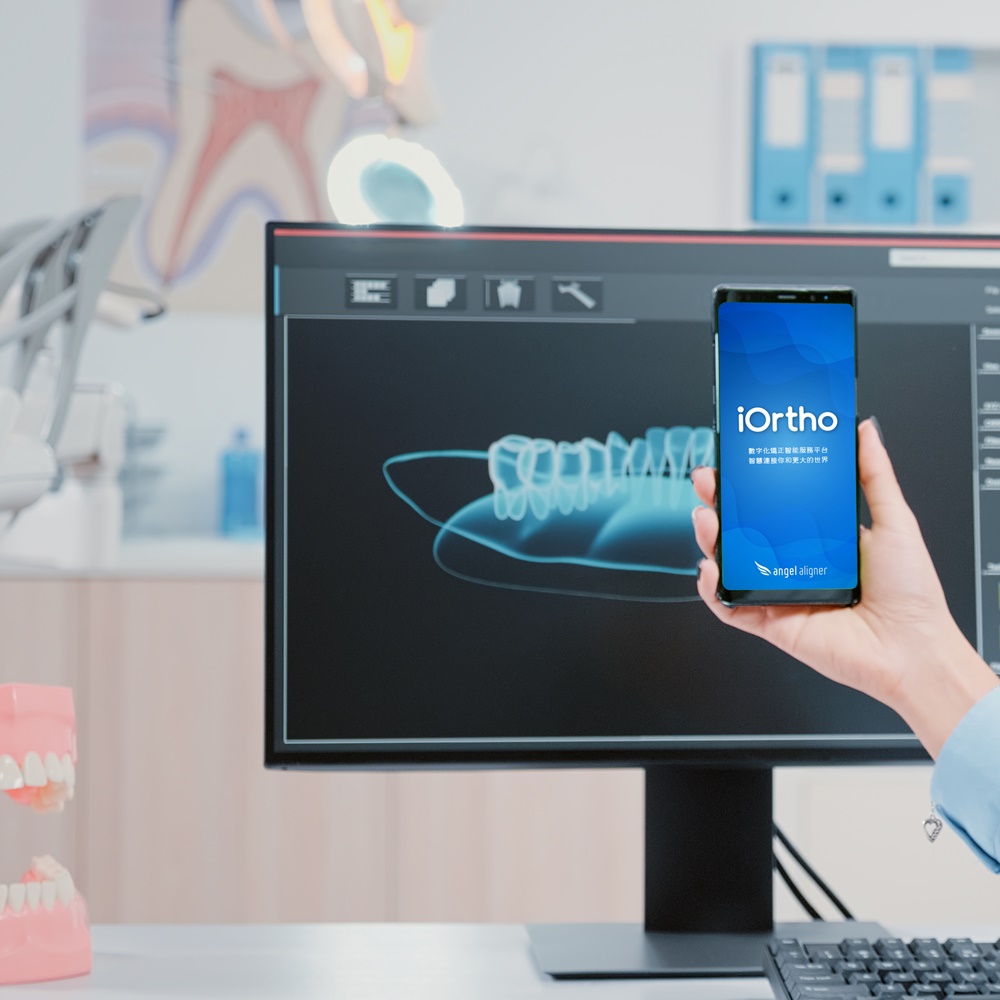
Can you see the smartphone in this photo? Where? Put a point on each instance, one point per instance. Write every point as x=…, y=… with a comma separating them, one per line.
x=787, y=445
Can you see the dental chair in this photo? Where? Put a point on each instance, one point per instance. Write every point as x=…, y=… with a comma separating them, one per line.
x=52, y=429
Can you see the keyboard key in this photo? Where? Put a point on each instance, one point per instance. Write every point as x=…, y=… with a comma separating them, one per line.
x=954, y=966
x=884, y=966
x=959, y=944
x=847, y=966
x=884, y=944
x=824, y=952
x=905, y=978
x=889, y=990
x=825, y=991
x=848, y=943
x=870, y=978
x=934, y=977
x=783, y=958
x=961, y=989
x=919, y=965
x=925, y=990
x=804, y=978
x=976, y=978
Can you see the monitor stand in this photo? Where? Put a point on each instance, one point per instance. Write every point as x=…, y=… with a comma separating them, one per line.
x=709, y=887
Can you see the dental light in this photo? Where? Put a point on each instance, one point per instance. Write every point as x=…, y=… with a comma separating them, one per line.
x=377, y=179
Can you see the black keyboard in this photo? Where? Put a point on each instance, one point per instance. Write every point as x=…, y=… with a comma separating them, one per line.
x=888, y=967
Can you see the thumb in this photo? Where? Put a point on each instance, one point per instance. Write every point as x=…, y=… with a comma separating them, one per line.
x=882, y=491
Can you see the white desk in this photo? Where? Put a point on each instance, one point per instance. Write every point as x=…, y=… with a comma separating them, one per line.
x=359, y=962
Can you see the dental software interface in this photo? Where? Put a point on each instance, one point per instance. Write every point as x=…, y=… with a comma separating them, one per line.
x=485, y=523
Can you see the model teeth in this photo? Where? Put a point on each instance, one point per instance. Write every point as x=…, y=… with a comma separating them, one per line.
x=16, y=895
x=543, y=475
x=34, y=771
x=49, y=884
x=11, y=777
x=46, y=783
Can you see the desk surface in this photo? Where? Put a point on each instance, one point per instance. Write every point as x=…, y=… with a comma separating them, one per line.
x=360, y=962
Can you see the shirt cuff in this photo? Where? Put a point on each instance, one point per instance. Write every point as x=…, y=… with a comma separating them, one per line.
x=965, y=788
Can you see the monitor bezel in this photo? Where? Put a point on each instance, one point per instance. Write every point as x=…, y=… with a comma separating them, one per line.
x=743, y=751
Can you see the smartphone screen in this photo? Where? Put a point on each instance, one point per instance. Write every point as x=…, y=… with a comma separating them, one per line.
x=786, y=419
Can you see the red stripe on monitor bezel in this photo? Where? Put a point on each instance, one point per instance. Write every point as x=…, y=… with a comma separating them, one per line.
x=747, y=239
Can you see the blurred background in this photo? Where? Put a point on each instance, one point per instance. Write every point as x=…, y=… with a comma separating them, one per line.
x=219, y=115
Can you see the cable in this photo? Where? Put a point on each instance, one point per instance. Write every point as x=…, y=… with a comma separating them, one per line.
x=142, y=294
x=796, y=891
x=811, y=872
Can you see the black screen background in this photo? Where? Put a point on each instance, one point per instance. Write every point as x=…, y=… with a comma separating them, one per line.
x=382, y=644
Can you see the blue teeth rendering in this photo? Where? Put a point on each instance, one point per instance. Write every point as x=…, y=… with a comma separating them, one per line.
x=580, y=518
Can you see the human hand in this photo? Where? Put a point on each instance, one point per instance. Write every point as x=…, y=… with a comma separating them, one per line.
x=899, y=644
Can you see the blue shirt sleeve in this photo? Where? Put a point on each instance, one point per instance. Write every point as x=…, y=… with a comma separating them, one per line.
x=965, y=788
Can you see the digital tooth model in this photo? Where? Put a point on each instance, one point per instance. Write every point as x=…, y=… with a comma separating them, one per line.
x=44, y=933
x=586, y=518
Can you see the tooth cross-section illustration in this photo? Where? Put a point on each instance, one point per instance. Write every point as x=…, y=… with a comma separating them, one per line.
x=44, y=933
x=605, y=519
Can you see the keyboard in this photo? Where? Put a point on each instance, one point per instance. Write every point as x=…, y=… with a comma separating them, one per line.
x=888, y=967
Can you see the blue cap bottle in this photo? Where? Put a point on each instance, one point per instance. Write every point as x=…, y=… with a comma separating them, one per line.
x=241, y=482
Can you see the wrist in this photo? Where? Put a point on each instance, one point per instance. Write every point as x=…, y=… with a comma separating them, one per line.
x=935, y=690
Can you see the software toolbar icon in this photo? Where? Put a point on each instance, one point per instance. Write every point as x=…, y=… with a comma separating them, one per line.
x=514, y=294
x=439, y=293
x=366, y=292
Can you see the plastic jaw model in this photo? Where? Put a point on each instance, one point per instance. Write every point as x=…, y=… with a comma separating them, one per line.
x=44, y=932
x=581, y=518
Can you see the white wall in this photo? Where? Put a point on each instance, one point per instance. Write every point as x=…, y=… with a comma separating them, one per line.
x=562, y=112
x=41, y=111
x=632, y=114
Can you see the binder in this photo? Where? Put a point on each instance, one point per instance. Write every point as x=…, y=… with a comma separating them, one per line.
x=840, y=114
x=893, y=137
x=949, y=90
x=783, y=139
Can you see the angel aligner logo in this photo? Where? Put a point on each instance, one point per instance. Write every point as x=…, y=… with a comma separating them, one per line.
x=609, y=519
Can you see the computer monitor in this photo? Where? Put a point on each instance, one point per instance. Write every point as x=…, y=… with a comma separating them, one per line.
x=479, y=546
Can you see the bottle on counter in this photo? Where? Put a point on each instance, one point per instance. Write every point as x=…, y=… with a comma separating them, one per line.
x=241, y=488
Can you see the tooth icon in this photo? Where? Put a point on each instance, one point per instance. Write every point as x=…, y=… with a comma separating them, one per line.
x=565, y=514
x=617, y=457
x=638, y=457
x=508, y=491
x=679, y=451
x=571, y=477
x=540, y=483
x=656, y=441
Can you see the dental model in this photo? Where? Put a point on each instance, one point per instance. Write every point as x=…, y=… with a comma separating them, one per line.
x=562, y=513
x=44, y=933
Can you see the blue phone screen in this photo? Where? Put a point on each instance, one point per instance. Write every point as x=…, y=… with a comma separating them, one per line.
x=787, y=446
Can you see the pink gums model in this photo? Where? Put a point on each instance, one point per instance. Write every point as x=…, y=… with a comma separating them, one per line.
x=44, y=932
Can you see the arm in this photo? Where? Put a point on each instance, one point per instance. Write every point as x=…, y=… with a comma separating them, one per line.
x=899, y=644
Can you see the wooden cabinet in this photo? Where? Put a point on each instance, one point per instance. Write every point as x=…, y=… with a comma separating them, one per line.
x=176, y=819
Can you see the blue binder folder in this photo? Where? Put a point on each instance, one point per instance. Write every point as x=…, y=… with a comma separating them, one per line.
x=783, y=133
x=893, y=136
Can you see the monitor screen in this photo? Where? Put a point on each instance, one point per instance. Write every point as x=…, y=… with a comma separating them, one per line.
x=479, y=453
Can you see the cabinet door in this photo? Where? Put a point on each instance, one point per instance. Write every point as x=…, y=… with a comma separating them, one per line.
x=181, y=820
x=39, y=631
x=520, y=846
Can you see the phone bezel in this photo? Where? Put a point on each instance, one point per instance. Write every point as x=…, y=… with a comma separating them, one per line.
x=813, y=294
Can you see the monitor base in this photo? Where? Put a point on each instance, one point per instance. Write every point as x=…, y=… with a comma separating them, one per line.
x=628, y=951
